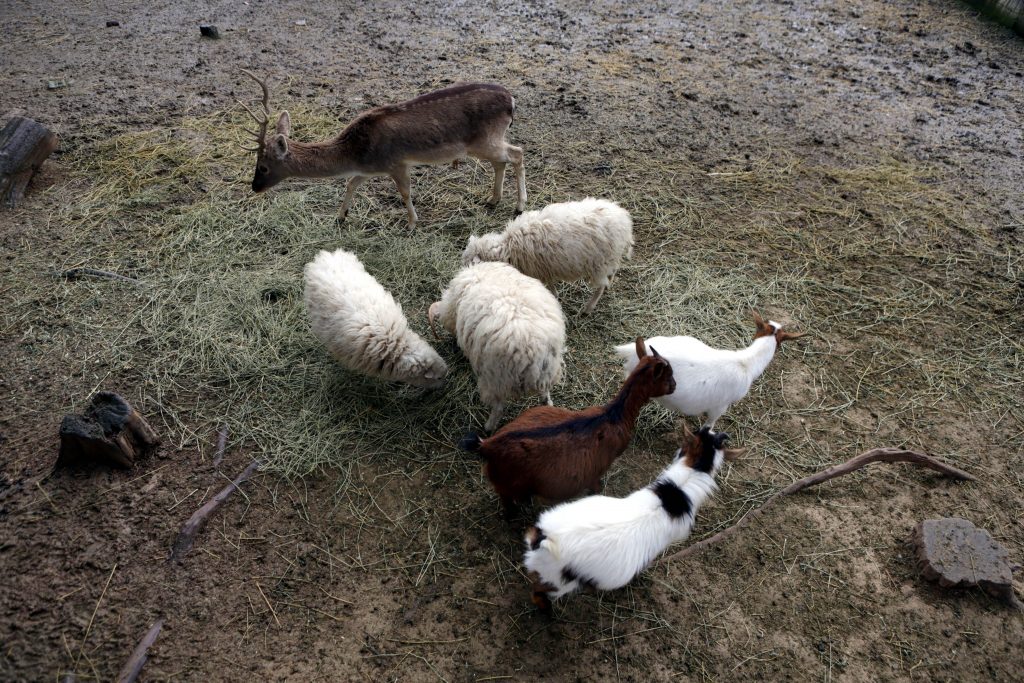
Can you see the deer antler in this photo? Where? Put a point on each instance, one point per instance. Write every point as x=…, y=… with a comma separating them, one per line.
x=263, y=120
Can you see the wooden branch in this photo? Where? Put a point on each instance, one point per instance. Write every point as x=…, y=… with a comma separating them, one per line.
x=75, y=273
x=196, y=523
x=140, y=654
x=876, y=455
x=24, y=146
x=222, y=443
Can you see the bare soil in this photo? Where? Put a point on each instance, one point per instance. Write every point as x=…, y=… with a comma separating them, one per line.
x=285, y=584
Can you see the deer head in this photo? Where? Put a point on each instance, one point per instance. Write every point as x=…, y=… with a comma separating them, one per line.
x=271, y=153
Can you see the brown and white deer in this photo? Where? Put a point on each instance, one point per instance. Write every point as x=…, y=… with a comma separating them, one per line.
x=436, y=128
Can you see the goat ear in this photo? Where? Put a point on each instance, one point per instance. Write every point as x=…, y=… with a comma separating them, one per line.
x=731, y=454
x=284, y=124
x=758, y=320
x=279, y=147
x=782, y=336
x=641, y=351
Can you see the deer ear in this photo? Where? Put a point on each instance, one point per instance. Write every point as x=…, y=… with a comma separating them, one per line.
x=279, y=146
x=284, y=123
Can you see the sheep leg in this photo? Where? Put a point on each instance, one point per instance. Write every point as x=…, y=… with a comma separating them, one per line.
x=350, y=190
x=599, y=288
x=497, y=409
x=401, y=178
x=499, y=182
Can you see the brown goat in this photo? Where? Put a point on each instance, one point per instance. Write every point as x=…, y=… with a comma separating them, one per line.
x=556, y=453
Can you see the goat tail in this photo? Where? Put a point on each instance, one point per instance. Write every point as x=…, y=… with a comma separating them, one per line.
x=471, y=442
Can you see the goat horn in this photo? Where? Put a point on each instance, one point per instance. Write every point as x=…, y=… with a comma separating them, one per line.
x=640, y=350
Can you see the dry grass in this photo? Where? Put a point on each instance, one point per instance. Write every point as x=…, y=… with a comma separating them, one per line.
x=877, y=262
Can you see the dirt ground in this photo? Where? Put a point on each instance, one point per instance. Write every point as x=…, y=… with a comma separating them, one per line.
x=286, y=584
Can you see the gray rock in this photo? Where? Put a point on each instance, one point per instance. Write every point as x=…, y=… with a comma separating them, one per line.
x=209, y=31
x=955, y=553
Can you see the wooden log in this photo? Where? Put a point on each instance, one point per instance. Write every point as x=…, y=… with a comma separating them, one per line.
x=24, y=146
x=110, y=431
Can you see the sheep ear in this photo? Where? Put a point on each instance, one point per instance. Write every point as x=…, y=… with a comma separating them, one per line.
x=641, y=352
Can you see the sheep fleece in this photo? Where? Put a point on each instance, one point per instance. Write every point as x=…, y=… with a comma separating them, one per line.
x=362, y=325
x=509, y=326
x=561, y=242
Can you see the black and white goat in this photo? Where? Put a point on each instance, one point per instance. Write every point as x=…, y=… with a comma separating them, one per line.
x=604, y=542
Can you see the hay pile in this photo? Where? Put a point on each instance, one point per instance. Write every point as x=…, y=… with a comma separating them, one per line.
x=910, y=302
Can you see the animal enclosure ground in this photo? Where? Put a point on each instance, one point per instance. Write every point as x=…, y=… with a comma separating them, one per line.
x=851, y=168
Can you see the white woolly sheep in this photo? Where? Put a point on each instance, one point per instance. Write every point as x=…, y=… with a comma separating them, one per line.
x=584, y=240
x=363, y=327
x=604, y=542
x=511, y=329
x=710, y=380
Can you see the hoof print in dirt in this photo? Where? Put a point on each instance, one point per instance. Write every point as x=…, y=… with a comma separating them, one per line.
x=110, y=431
x=955, y=553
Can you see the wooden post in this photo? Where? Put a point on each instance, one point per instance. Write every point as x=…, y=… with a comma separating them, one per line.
x=24, y=146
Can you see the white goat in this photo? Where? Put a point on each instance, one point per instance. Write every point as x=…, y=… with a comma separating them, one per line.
x=363, y=327
x=584, y=240
x=511, y=329
x=604, y=542
x=710, y=380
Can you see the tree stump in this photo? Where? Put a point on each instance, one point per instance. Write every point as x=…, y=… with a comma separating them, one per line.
x=109, y=431
x=24, y=146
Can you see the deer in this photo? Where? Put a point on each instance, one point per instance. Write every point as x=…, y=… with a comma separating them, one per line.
x=465, y=119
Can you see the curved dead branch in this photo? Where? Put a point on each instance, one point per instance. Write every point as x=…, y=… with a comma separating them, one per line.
x=876, y=455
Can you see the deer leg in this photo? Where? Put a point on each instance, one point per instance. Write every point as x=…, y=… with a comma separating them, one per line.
x=401, y=178
x=499, y=181
x=515, y=155
x=350, y=190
